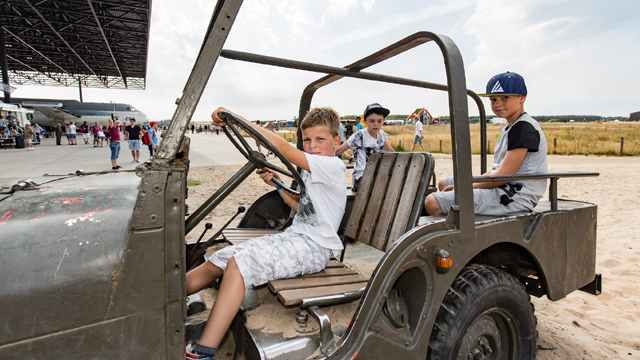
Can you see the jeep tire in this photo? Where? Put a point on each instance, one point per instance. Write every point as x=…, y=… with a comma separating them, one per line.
x=486, y=314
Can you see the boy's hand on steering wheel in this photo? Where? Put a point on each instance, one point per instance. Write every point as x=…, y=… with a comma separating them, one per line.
x=267, y=175
x=217, y=119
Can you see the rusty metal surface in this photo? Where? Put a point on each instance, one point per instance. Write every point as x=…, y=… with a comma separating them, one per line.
x=60, y=253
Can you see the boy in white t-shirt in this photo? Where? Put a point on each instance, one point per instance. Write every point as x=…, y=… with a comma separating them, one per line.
x=367, y=141
x=304, y=248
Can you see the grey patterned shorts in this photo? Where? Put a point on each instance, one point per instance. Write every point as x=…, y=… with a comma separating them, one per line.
x=272, y=257
x=485, y=201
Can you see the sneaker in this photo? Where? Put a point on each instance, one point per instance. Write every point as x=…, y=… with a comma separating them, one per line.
x=134, y=160
x=191, y=356
x=118, y=166
x=115, y=168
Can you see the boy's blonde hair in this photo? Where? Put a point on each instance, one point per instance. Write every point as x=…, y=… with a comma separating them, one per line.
x=324, y=116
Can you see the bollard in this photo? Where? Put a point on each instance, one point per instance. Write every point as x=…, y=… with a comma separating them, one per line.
x=440, y=145
x=621, y=146
x=555, y=142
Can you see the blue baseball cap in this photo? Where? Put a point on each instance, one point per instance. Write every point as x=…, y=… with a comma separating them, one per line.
x=508, y=83
x=374, y=106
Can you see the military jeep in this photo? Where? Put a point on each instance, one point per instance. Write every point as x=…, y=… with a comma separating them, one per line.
x=93, y=266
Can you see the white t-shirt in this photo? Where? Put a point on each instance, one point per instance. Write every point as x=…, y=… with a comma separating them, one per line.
x=418, y=128
x=72, y=129
x=363, y=145
x=323, y=202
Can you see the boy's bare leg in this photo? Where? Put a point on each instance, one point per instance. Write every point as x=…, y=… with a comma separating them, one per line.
x=200, y=277
x=226, y=306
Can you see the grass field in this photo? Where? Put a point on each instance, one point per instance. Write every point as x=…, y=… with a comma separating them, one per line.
x=593, y=138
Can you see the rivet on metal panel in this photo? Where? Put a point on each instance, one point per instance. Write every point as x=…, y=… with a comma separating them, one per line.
x=449, y=244
x=424, y=316
x=429, y=287
x=156, y=189
x=153, y=218
x=377, y=330
x=406, y=343
x=176, y=265
x=422, y=264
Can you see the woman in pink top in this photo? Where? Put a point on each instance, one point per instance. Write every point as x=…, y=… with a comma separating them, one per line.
x=114, y=145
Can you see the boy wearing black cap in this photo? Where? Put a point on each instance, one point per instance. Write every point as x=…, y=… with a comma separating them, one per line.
x=520, y=149
x=367, y=141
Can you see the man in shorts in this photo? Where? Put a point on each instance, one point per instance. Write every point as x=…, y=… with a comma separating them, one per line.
x=133, y=134
x=72, y=134
x=419, y=136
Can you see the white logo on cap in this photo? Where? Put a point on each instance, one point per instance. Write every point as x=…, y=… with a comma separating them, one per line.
x=497, y=88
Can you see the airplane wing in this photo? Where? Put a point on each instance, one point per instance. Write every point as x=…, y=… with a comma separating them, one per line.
x=52, y=110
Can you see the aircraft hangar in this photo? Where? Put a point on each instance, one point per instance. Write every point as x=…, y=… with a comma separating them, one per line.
x=84, y=43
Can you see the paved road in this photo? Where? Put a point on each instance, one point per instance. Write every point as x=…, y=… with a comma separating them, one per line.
x=48, y=158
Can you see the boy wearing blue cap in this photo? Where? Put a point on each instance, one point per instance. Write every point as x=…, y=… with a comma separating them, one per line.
x=367, y=141
x=520, y=149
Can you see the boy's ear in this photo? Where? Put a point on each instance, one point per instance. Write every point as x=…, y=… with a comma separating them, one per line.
x=336, y=141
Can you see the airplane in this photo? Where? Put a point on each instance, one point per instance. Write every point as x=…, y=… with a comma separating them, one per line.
x=51, y=112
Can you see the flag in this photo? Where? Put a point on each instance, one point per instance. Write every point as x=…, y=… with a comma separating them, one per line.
x=8, y=89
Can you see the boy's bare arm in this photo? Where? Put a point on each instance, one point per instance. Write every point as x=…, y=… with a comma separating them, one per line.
x=387, y=146
x=509, y=166
x=342, y=148
x=294, y=155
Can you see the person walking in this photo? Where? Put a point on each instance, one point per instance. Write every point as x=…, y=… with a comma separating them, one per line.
x=132, y=134
x=58, y=134
x=29, y=133
x=114, y=145
x=95, y=130
x=84, y=129
x=153, y=139
x=72, y=133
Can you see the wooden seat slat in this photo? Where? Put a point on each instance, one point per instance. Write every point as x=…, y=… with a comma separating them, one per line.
x=330, y=272
x=378, y=192
x=334, y=264
x=407, y=199
x=360, y=202
x=387, y=214
x=294, y=297
x=297, y=283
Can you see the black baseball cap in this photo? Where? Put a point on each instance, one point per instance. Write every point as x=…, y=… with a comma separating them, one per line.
x=374, y=106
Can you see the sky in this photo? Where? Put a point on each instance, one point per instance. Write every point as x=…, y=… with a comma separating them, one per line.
x=576, y=56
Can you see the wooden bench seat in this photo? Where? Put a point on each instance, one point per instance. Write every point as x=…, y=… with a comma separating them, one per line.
x=388, y=203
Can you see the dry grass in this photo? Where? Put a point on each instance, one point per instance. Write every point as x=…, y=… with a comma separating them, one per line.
x=592, y=138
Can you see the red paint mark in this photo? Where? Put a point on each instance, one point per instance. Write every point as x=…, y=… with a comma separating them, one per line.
x=27, y=209
x=71, y=200
x=109, y=209
x=111, y=197
x=69, y=211
x=61, y=233
x=2, y=222
x=9, y=216
x=98, y=197
x=89, y=213
x=96, y=209
x=5, y=214
x=13, y=203
x=34, y=219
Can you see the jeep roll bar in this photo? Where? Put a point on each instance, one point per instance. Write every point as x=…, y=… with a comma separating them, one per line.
x=223, y=18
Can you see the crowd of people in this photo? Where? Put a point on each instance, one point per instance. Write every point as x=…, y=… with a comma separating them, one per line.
x=113, y=133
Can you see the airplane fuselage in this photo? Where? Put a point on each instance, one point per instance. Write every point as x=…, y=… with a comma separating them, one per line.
x=51, y=112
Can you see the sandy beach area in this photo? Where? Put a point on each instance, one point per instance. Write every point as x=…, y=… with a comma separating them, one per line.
x=580, y=326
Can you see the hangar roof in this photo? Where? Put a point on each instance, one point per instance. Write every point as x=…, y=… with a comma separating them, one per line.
x=99, y=43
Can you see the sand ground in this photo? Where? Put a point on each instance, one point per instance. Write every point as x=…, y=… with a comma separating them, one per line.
x=580, y=326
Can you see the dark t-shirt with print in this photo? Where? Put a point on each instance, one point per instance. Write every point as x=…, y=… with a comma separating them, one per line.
x=134, y=132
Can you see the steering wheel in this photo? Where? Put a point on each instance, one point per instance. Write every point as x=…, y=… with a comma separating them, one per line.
x=259, y=160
